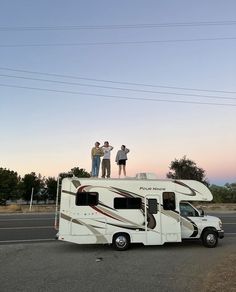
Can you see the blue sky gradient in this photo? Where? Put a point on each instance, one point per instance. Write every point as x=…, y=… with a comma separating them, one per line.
x=49, y=123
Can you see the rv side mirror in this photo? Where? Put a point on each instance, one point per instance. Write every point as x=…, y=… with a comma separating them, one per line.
x=201, y=212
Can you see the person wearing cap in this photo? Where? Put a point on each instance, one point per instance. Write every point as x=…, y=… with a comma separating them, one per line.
x=106, y=162
x=96, y=154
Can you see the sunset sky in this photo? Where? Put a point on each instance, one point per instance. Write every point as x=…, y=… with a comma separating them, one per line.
x=157, y=76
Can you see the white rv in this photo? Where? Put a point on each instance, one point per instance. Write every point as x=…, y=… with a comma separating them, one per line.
x=124, y=211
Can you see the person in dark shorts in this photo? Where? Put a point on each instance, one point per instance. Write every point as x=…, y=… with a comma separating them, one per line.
x=121, y=158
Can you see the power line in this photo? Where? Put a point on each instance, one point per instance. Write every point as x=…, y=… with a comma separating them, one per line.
x=117, y=96
x=116, y=82
x=117, y=26
x=119, y=88
x=117, y=43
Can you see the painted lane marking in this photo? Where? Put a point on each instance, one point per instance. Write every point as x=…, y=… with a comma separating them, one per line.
x=27, y=227
x=33, y=219
x=27, y=214
x=27, y=240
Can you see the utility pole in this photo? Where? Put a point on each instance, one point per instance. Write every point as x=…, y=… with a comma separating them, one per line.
x=31, y=199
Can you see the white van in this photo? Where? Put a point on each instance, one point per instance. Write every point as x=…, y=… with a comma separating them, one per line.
x=124, y=211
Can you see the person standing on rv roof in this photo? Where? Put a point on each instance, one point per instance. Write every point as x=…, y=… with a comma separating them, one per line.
x=96, y=154
x=106, y=162
x=121, y=158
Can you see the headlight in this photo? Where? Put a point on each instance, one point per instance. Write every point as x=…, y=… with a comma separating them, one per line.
x=220, y=224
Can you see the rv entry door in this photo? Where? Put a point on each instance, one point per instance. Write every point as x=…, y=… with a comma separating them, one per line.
x=153, y=221
x=170, y=218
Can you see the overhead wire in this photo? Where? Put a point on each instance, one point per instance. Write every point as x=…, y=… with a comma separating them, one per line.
x=122, y=26
x=116, y=43
x=118, y=26
x=117, y=96
x=115, y=82
x=117, y=88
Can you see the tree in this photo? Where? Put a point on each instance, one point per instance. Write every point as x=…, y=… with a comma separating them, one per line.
x=30, y=181
x=225, y=194
x=9, y=181
x=218, y=193
x=231, y=195
x=80, y=172
x=51, y=185
x=76, y=171
x=186, y=169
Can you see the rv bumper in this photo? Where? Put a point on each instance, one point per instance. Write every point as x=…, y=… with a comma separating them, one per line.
x=221, y=233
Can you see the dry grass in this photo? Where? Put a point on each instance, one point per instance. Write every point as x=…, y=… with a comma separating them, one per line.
x=223, y=276
x=216, y=206
x=51, y=208
x=10, y=209
x=14, y=208
x=38, y=208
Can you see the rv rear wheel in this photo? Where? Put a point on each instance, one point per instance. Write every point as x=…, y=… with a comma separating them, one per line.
x=121, y=241
x=209, y=238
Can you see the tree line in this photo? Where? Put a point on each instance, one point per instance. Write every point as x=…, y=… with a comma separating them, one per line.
x=13, y=187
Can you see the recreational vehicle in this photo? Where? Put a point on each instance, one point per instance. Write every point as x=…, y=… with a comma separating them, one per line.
x=135, y=210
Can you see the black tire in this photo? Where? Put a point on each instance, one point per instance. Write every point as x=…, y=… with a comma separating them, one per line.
x=121, y=241
x=209, y=238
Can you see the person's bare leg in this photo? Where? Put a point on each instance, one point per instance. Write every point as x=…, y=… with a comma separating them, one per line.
x=124, y=170
x=119, y=170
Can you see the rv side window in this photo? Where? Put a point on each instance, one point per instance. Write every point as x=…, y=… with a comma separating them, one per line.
x=127, y=203
x=86, y=199
x=169, y=201
x=152, y=206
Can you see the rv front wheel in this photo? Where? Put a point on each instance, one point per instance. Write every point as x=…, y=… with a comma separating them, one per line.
x=209, y=238
x=121, y=241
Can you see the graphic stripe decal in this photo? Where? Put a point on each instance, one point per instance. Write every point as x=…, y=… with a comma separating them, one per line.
x=69, y=193
x=193, y=192
x=100, y=238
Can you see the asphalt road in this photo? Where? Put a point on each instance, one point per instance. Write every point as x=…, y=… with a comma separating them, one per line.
x=60, y=266
x=26, y=227
x=40, y=227
x=39, y=263
x=229, y=222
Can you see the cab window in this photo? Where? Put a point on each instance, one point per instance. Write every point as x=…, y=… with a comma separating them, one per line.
x=186, y=210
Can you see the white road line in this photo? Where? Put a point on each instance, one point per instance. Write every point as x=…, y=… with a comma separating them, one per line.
x=27, y=227
x=33, y=219
x=228, y=222
x=25, y=214
x=27, y=240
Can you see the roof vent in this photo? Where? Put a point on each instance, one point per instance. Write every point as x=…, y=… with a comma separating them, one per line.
x=146, y=175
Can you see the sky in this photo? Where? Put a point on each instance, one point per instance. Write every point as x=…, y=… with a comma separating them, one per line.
x=157, y=76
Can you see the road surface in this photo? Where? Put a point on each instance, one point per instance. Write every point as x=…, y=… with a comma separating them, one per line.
x=61, y=266
x=26, y=227
x=40, y=227
x=39, y=263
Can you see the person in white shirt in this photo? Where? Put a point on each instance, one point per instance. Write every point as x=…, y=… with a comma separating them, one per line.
x=106, y=162
x=121, y=158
